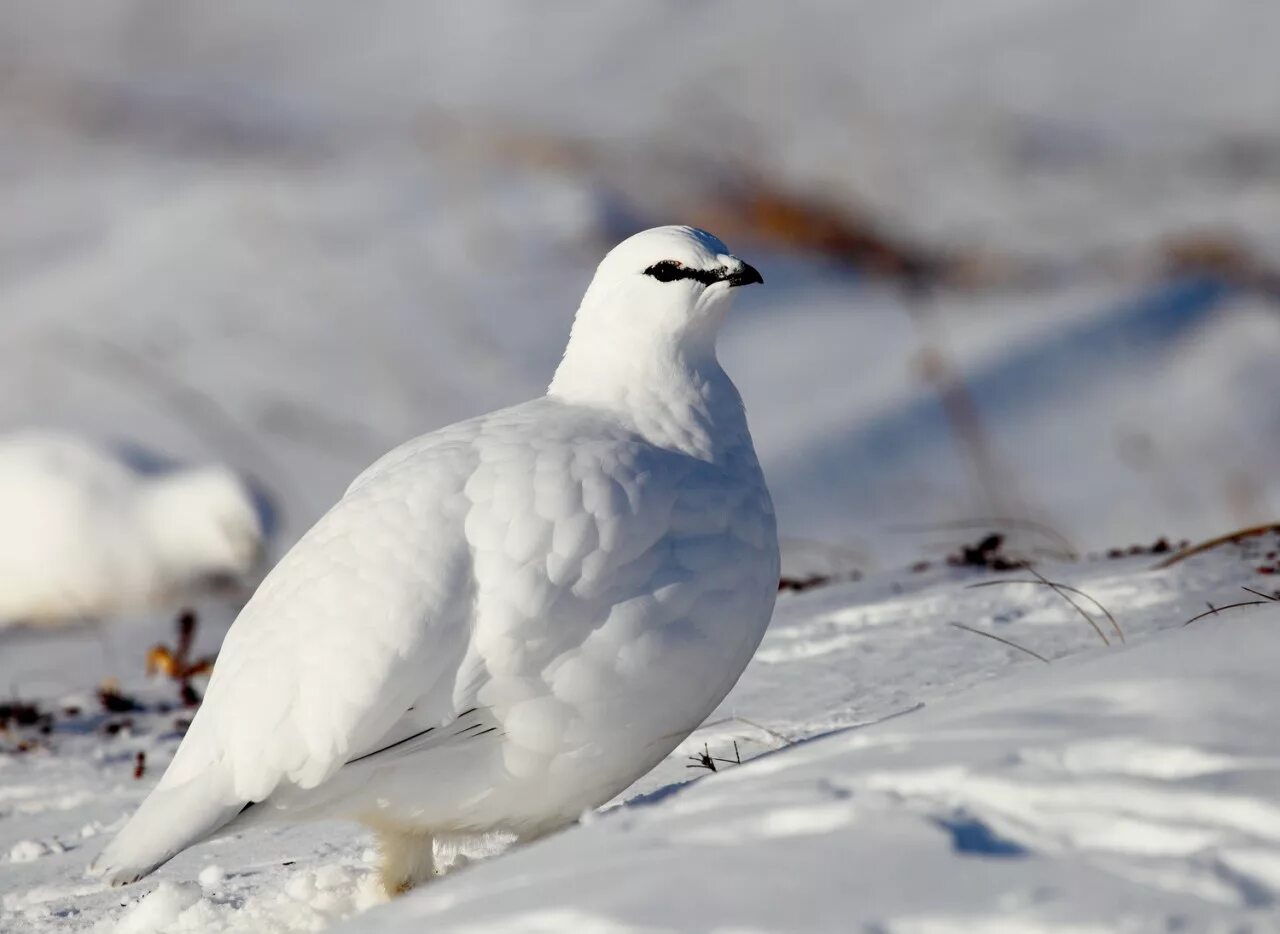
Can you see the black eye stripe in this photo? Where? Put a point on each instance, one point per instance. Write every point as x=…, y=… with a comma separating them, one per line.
x=670, y=271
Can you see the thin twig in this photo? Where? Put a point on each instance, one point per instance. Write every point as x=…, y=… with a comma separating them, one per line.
x=1270, y=598
x=1056, y=585
x=1213, y=610
x=1001, y=639
x=707, y=761
x=703, y=761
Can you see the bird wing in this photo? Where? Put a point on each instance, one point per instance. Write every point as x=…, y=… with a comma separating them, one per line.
x=359, y=632
x=366, y=617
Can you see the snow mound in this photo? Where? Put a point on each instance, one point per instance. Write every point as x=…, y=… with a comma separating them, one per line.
x=310, y=900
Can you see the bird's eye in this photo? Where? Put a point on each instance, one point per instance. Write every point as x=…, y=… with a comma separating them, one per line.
x=666, y=271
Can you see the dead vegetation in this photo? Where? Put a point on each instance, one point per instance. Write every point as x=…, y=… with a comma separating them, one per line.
x=1250, y=539
x=1050, y=542
x=810, y=581
x=987, y=553
x=1001, y=640
x=704, y=759
x=749, y=206
x=1161, y=546
x=177, y=663
x=117, y=714
x=1066, y=591
x=113, y=700
x=20, y=713
x=1253, y=542
x=1215, y=610
x=1223, y=255
x=735, y=196
x=24, y=724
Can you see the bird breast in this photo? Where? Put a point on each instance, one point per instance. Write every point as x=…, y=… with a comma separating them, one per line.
x=631, y=594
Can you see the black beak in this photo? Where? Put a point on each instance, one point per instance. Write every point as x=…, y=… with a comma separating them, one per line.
x=747, y=275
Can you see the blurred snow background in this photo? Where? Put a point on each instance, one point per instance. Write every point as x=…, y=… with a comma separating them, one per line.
x=1022, y=259
x=290, y=239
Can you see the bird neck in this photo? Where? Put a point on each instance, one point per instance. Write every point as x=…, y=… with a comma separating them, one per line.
x=672, y=391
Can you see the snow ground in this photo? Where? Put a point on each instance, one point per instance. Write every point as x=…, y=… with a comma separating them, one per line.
x=1118, y=788
x=1124, y=790
x=233, y=233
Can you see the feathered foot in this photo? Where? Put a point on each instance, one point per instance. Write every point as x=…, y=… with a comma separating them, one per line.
x=408, y=859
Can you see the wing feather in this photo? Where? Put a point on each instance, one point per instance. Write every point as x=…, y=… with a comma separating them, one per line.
x=365, y=618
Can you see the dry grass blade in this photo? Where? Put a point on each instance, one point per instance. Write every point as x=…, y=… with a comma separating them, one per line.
x=1265, y=596
x=1057, y=585
x=1229, y=538
x=1213, y=610
x=1077, y=607
x=1001, y=640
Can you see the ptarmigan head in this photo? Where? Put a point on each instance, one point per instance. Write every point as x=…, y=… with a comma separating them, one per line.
x=675, y=279
x=657, y=297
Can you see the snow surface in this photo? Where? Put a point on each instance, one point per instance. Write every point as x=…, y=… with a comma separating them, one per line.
x=1121, y=787
x=1127, y=790
x=289, y=242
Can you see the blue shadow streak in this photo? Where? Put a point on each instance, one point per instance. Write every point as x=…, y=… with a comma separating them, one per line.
x=1029, y=375
x=970, y=835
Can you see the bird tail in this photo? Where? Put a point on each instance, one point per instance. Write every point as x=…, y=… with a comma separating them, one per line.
x=169, y=820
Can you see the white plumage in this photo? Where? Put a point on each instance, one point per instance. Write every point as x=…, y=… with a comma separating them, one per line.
x=505, y=622
x=88, y=537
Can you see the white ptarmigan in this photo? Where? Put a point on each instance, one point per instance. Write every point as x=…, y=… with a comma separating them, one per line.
x=505, y=622
x=88, y=537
